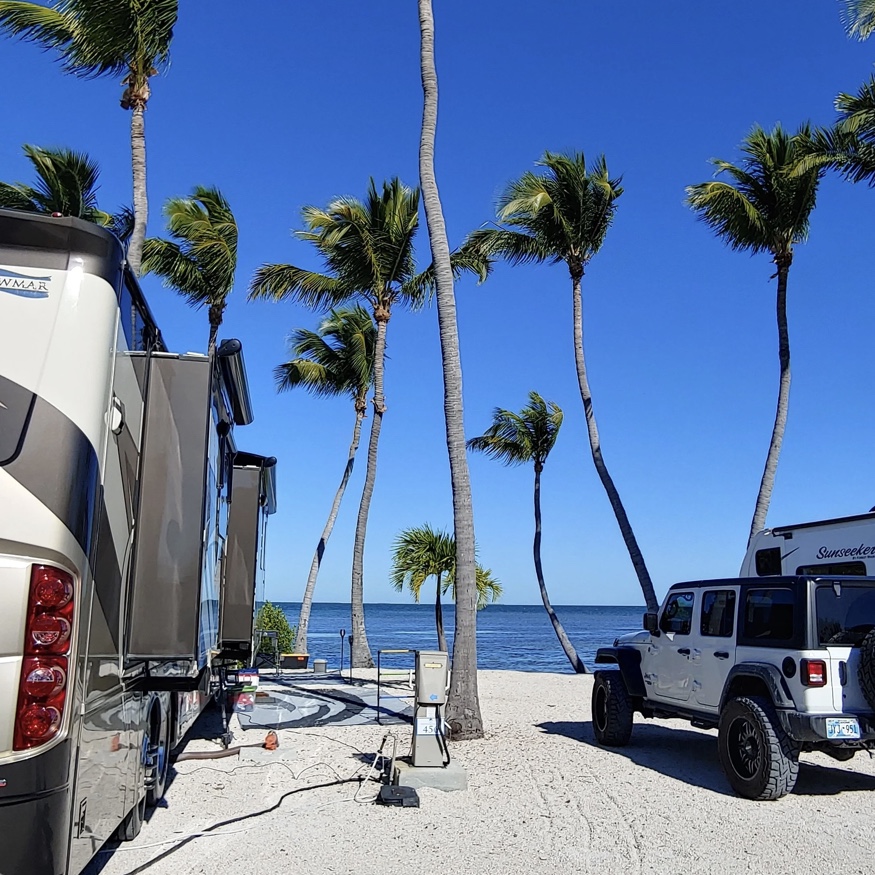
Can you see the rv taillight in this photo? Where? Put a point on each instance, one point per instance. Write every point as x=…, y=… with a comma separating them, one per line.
x=51, y=588
x=42, y=688
x=43, y=680
x=813, y=672
x=49, y=632
x=37, y=725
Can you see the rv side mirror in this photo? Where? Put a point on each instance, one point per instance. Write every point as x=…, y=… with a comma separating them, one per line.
x=651, y=623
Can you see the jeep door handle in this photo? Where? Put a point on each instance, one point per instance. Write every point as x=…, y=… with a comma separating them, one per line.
x=721, y=654
x=684, y=651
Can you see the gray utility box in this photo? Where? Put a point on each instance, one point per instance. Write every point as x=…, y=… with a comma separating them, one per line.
x=431, y=677
x=430, y=695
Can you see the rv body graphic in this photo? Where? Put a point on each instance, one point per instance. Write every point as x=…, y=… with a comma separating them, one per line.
x=117, y=462
x=842, y=546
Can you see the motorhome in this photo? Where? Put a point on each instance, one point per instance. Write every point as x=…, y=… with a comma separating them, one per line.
x=842, y=546
x=131, y=540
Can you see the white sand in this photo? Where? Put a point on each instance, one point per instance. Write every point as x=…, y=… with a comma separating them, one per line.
x=542, y=798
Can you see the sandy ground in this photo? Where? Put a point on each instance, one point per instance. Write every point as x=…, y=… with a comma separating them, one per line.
x=542, y=798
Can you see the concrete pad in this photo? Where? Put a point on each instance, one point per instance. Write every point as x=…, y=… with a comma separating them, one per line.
x=449, y=777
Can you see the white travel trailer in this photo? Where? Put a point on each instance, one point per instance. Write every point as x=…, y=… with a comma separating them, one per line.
x=131, y=532
x=842, y=546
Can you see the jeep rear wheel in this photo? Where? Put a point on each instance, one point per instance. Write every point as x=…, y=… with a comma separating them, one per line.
x=866, y=671
x=611, y=709
x=760, y=760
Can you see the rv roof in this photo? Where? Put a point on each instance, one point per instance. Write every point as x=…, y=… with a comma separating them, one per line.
x=842, y=519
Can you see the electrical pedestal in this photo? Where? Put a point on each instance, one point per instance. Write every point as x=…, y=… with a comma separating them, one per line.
x=429, y=764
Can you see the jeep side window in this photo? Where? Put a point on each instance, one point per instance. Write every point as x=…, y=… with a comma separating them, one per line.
x=768, y=614
x=718, y=613
x=677, y=616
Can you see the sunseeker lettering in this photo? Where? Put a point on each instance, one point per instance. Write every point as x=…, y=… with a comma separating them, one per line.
x=24, y=286
x=846, y=552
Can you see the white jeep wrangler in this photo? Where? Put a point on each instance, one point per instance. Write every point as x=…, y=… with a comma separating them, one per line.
x=779, y=666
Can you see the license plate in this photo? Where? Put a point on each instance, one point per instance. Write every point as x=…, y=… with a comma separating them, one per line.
x=842, y=727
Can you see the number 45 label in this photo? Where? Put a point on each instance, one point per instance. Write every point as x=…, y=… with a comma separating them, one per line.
x=426, y=726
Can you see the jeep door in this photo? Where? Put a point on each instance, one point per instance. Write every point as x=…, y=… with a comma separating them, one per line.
x=713, y=654
x=668, y=660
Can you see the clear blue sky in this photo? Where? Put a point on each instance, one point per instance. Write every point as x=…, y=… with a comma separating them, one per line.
x=294, y=103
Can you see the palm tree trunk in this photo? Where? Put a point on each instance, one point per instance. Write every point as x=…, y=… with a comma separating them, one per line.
x=359, y=650
x=215, y=317
x=595, y=446
x=463, y=704
x=564, y=640
x=141, y=203
x=307, y=601
x=439, y=617
x=764, y=496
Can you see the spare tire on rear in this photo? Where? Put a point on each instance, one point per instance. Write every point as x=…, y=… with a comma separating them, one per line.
x=866, y=671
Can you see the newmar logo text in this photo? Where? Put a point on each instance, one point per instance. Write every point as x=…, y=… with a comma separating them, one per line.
x=23, y=285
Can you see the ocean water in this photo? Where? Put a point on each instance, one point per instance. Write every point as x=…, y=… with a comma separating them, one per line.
x=517, y=637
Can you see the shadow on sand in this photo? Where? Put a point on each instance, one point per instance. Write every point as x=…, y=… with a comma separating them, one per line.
x=691, y=757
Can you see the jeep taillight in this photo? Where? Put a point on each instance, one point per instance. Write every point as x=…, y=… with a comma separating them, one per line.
x=42, y=688
x=813, y=672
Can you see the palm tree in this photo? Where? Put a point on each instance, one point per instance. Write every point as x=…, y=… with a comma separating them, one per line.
x=516, y=439
x=418, y=554
x=93, y=38
x=564, y=215
x=859, y=17
x=463, y=706
x=338, y=359
x=66, y=183
x=201, y=259
x=765, y=207
x=367, y=247
x=423, y=552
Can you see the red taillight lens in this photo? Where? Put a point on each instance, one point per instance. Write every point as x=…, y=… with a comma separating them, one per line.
x=50, y=587
x=43, y=680
x=50, y=633
x=813, y=672
x=42, y=688
x=38, y=723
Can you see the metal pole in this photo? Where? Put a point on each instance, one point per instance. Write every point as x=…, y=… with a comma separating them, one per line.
x=342, y=635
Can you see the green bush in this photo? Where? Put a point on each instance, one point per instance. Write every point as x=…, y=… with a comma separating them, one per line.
x=272, y=617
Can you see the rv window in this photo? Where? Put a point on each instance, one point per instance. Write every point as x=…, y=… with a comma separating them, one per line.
x=718, y=613
x=845, y=614
x=677, y=616
x=768, y=562
x=768, y=614
x=138, y=330
x=839, y=569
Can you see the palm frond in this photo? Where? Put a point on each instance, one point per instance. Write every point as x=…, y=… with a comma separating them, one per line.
x=517, y=438
x=858, y=17
x=488, y=587
x=98, y=37
x=177, y=269
x=279, y=282
x=767, y=204
x=335, y=360
x=48, y=26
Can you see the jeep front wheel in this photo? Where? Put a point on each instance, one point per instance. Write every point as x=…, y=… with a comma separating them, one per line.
x=611, y=709
x=760, y=760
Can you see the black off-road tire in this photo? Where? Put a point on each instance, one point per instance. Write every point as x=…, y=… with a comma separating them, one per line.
x=130, y=827
x=760, y=760
x=612, y=709
x=866, y=671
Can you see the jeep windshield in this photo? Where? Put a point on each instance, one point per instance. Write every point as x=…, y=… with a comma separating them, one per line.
x=845, y=612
